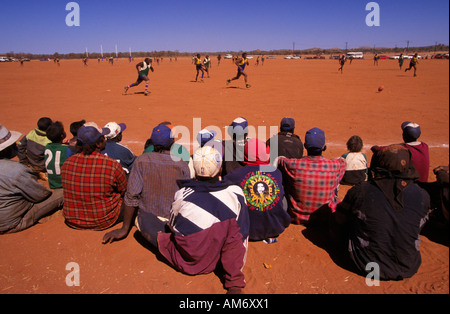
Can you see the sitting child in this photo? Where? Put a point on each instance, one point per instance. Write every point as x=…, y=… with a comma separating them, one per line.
x=55, y=154
x=31, y=147
x=356, y=169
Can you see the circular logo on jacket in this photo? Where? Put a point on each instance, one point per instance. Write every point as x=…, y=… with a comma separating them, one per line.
x=261, y=191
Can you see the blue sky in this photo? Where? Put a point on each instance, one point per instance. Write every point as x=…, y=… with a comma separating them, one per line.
x=39, y=26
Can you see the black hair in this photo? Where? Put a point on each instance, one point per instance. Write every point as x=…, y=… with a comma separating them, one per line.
x=75, y=126
x=354, y=144
x=88, y=149
x=55, y=132
x=44, y=123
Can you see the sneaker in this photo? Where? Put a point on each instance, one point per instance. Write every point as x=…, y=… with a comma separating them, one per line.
x=228, y=82
x=146, y=92
x=248, y=85
x=126, y=88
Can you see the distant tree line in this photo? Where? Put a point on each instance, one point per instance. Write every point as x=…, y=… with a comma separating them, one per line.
x=166, y=54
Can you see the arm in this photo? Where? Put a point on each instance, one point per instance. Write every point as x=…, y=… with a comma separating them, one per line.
x=120, y=234
x=139, y=66
x=22, y=150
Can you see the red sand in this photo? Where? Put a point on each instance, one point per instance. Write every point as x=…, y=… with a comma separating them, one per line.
x=311, y=91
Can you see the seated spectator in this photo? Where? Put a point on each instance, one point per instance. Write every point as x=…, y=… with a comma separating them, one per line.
x=233, y=150
x=177, y=151
x=115, y=150
x=356, y=169
x=208, y=226
x=382, y=217
x=55, y=154
x=31, y=147
x=289, y=144
x=23, y=200
x=437, y=226
x=93, y=183
x=263, y=191
x=152, y=182
x=74, y=126
x=312, y=181
x=420, y=155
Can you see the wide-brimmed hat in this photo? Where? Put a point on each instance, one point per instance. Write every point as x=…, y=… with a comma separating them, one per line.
x=7, y=138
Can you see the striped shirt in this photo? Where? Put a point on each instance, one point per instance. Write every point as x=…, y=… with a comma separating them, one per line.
x=93, y=188
x=152, y=182
x=210, y=225
x=312, y=182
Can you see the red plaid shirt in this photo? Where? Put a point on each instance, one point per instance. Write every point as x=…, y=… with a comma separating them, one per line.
x=93, y=188
x=312, y=182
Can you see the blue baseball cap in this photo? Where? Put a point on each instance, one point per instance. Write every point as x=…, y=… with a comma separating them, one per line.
x=287, y=123
x=315, y=138
x=89, y=133
x=411, y=130
x=239, y=127
x=204, y=136
x=162, y=136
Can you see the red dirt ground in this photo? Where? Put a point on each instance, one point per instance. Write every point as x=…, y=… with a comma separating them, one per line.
x=311, y=91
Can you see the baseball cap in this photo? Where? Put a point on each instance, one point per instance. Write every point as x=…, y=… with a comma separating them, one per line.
x=204, y=136
x=162, y=136
x=287, y=123
x=207, y=161
x=89, y=133
x=239, y=126
x=315, y=138
x=7, y=138
x=411, y=130
x=114, y=129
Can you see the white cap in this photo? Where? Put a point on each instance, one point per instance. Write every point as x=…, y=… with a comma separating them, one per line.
x=207, y=161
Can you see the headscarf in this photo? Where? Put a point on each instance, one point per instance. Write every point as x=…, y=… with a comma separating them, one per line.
x=256, y=153
x=393, y=172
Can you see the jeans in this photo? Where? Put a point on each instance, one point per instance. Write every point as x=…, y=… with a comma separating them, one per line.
x=150, y=225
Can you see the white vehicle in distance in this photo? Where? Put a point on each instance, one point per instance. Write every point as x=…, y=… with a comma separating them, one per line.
x=228, y=56
x=355, y=55
x=292, y=57
x=4, y=59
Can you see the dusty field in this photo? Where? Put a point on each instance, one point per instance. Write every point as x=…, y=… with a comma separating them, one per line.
x=311, y=91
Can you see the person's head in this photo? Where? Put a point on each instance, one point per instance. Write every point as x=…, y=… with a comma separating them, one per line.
x=56, y=133
x=207, y=163
x=204, y=136
x=148, y=60
x=287, y=125
x=74, y=126
x=256, y=152
x=91, y=138
x=315, y=142
x=43, y=123
x=244, y=55
x=354, y=144
x=8, y=139
x=198, y=55
x=411, y=131
x=115, y=131
x=162, y=138
x=238, y=129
